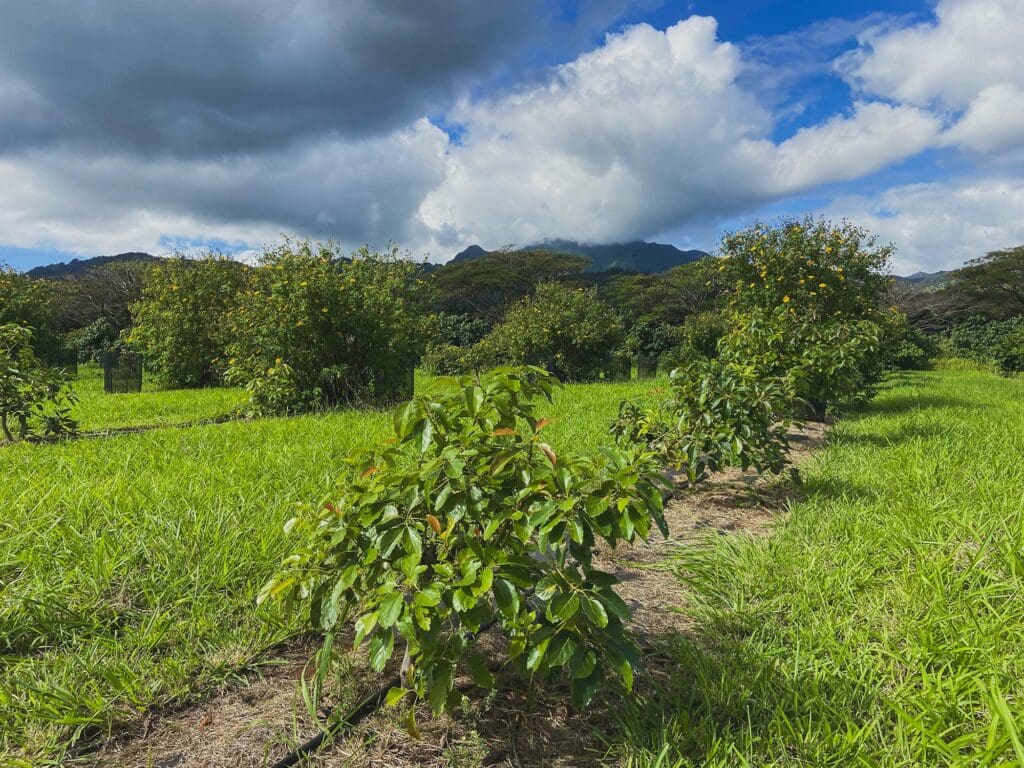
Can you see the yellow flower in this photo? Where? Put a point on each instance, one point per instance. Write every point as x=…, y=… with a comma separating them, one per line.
x=785, y=299
x=822, y=285
x=277, y=360
x=304, y=283
x=813, y=293
x=802, y=281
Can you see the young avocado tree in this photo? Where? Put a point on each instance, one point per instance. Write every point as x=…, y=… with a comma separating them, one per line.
x=468, y=519
x=32, y=395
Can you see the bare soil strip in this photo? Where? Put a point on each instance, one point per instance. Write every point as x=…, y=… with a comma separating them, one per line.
x=259, y=722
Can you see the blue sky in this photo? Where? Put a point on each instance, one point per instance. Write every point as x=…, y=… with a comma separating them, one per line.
x=227, y=124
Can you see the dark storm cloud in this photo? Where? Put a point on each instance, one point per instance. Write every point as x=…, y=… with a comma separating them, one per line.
x=194, y=77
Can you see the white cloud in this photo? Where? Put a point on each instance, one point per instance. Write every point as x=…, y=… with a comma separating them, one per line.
x=941, y=225
x=647, y=131
x=845, y=148
x=968, y=62
x=971, y=44
x=994, y=122
x=368, y=189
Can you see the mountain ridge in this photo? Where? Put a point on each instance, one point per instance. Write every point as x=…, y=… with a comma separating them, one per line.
x=632, y=256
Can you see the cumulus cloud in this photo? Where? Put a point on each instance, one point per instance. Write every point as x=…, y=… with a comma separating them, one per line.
x=941, y=225
x=967, y=62
x=649, y=130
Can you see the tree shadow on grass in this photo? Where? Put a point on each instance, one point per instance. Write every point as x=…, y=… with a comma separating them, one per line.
x=903, y=403
x=889, y=438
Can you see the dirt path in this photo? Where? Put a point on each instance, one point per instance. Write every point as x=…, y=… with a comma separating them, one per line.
x=257, y=723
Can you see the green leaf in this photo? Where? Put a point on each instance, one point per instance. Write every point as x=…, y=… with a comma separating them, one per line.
x=381, y=647
x=561, y=650
x=507, y=598
x=413, y=541
x=440, y=684
x=582, y=663
x=583, y=689
x=501, y=461
x=546, y=588
x=390, y=609
x=594, y=610
x=563, y=607
x=535, y=655
x=479, y=672
x=395, y=695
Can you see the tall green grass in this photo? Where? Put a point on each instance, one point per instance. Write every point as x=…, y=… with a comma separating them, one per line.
x=97, y=410
x=883, y=622
x=129, y=565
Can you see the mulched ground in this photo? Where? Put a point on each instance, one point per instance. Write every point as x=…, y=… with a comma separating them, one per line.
x=257, y=723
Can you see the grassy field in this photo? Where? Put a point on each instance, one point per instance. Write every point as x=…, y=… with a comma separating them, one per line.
x=129, y=565
x=883, y=623
x=151, y=407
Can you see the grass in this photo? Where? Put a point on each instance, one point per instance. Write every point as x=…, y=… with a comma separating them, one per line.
x=882, y=624
x=129, y=565
x=97, y=410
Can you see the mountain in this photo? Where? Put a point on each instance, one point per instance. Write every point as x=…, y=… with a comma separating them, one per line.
x=926, y=279
x=636, y=256
x=76, y=267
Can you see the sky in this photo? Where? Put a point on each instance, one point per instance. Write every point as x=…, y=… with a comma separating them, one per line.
x=128, y=126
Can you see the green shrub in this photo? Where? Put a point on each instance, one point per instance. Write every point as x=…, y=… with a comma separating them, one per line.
x=567, y=330
x=1009, y=354
x=468, y=518
x=989, y=342
x=30, y=303
x=697, y=339
x=93, y=340
x=460, y=330
x=314, y=329
x=181, y=322
x=718, y=413
x=829, y=364
x=904, y=347
x=33, y=397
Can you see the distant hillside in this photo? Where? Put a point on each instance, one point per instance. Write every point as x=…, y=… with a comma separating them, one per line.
x=76, y=267
x=926, y=279
x=637, y=256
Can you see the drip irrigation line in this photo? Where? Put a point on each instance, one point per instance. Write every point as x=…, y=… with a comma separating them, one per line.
x=360, y=712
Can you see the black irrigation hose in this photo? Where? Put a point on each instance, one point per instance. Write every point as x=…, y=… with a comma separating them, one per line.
x=364, y=709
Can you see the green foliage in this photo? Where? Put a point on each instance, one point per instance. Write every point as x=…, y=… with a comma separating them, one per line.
x=30, y=303
x=93, y=340
x=569, y=331
x=828, y=364
x=314, y=329
x=181, y=322
x=718, y=413
x=989, y=342
x=666, y=298
x=994, y=283
x=649, y=339
x=904, y=347
x=33, y=397
x=459, y=330
x=485, y=286
x=469, y=519
x=697, y=339
x=819, y=270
